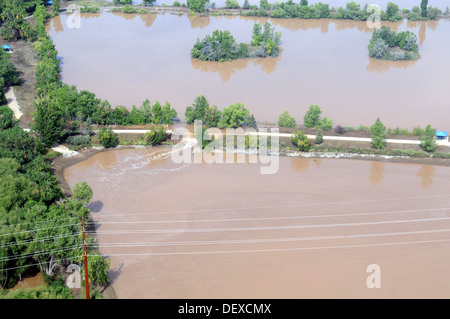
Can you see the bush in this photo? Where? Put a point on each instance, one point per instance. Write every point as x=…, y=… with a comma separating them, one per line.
x=7, y=119
x=312, y=116
x=86, y=9
x=326, y=124
x=319, y=137
x=155, y=136
x=176, y=4
x=122, y=2
x=285, y=120
x=378, y=135
x=78, y=140
x=427, y=140
x=129, y=9
x=107, y=137
x=339, y=129
x=301, y=141
x=434, y=13
x=231, y=4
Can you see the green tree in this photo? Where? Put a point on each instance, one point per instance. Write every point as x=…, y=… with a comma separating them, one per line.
x=155, y=135
x=257, y=35
x=319, y=137
x=231, y=4
x=428, y=140
x=378, y=131
x=49, y=121
x=325, y=124
x=285, y=120
x=252, y=122
x=299, y=139
x=233, y=116
x=7, y=119
x=107, y=137
x=98, y=269
x=424, y=8
x=312, y=116
x=198, y=5
x=7, y=70
x=83, y=193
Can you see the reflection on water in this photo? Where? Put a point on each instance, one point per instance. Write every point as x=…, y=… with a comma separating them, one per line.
x=376, y=173
x=423, y=25
x=199, y=22
x=426, y=173
x=227, y=69
x=300, y=164
x=381, y=66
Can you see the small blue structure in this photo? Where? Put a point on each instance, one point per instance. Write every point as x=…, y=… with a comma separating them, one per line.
x=441, y=135
x=49, y=3
x=6, y=48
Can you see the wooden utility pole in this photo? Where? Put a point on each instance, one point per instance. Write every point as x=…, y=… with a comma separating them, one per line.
x=86, y=275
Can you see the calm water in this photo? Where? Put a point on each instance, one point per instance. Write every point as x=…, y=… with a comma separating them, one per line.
x=128, y=58
x=308, y=231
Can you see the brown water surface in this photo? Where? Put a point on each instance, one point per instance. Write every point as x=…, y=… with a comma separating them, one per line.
x=309, y=231
x=126, y=58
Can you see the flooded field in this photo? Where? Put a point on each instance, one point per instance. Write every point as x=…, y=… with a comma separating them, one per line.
x=308, y=231
x=126, y=58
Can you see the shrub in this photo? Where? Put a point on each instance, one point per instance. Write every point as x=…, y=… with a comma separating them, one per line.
x=7, y=119
x=326, y=124
x=107, y=137
x=142, y=11
x=231, y=4
x=176, y=4
x=378, y=135
x=129, y=9
x=339, y=129
x=434, y=13
x=78, y=140
x=86, y=9
x=427, y=140
x=155, y=136
x=312, y=116
x=301, y=141
x=319, y=137
x=285, y=120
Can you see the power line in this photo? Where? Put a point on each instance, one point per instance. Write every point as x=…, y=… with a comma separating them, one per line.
x=278, y=249
x=270, y=218
x=38, y=239
x=43, y=221
x=206, y=230
x=38, y=264
x=36, y=230
x=270, y=207
x=262, y=240
x=15, y=257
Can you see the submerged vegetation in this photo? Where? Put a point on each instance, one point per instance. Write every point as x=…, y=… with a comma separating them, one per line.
x=386, y=44
x=221, y=45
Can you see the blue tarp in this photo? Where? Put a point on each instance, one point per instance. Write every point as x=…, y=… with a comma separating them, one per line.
x=5, y=46
x=441, y=134
x=49, y=2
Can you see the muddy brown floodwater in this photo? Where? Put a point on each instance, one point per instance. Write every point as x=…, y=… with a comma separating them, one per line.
x=126, y=58
x=308, y=231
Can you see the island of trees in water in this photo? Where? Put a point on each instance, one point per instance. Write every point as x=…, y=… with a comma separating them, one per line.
x=221, y=45
x=387, y=44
